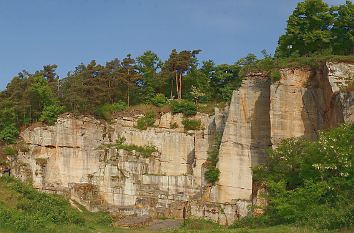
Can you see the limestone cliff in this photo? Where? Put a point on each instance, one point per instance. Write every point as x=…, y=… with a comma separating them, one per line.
x=262, y=113
x=76, y=156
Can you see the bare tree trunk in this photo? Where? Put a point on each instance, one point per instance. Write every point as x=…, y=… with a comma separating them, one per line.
x=177, y=85
x=180, y=85
x=171, y=91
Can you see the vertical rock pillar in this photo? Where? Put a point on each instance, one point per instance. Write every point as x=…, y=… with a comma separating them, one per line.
x=245, y=139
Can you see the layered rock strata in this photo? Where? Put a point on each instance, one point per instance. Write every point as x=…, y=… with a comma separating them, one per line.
x=77, y=156
x=262, y=114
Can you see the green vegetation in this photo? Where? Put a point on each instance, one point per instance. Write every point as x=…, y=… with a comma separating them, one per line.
x=23, y=209
x=191, y=124
x=212, y=173
x=271, y=66
x=107, y=110
x=174, y=125
x=10, y=151
x=145, y=151
x=9, y=134
x=119, y=85
x=146, y=121
x=205, y=226
x=314, y=28
x=314, y=34
x=159, y=100
x=50, y=113
x=186, y=107
x=309, y=182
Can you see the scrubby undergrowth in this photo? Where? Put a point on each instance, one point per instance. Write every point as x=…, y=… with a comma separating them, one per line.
x=309, y=182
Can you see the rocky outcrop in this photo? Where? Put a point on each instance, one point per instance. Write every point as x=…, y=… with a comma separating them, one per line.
x=262, y=114
x=77, y=157
x=246, y=136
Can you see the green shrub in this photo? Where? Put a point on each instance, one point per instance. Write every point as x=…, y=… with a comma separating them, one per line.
x=271, y=66
x=311, y=182
x=212, y=173
x=159, y=100
x=250, y=222
x=107, y=110
x=191, y=124
x=145, y=151
x=275, y=75
x=146, y=121
x=10, y=151
x=174, y=125
x=50, y=114
x=9, y=134
x=184, y=106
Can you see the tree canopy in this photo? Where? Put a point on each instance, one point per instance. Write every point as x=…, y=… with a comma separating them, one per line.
x=316, y=28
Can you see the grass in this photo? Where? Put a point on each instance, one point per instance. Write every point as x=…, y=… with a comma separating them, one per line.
x=24, y=209
x=205, y=226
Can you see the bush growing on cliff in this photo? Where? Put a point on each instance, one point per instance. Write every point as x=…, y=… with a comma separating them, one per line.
x=9, y=134
x=10, y=151
x=212, y=173
x=188, y=108
x=311, y=182
x=50, y=113
x=191, y=124
x=106, y=110
x=159, y=100
x=146, y=121
x=145, y=151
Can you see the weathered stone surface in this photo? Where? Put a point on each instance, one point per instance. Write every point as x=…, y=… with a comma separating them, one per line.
x=293, y=110
x=262, y=114
x=246, y=136
x=222, y=213
x=76, y=156
x=339, y=75
x=176, y=148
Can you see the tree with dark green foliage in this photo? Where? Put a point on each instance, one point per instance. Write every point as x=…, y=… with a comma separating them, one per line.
x=151, y=83
x=307, y=30
x=128, y=76
x=315, y=28
x=50, y=113
x=177, y=66
x=343, y=29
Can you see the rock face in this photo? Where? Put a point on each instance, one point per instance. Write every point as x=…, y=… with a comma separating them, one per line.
x=77, y=157
x=246, y=135
x=262, y=113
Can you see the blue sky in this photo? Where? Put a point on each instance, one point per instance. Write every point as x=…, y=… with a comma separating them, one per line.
x=67, y=32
